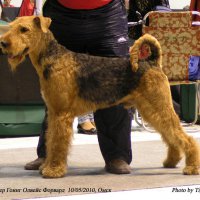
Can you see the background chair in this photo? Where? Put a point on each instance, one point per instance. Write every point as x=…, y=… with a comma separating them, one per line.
x=179, y=39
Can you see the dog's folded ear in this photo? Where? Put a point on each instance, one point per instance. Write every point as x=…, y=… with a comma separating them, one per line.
x=42, y=22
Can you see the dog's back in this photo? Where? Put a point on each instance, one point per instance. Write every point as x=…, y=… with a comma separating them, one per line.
x=105, y=80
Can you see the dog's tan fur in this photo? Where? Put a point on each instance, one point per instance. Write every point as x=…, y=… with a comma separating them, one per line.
x=64, y=75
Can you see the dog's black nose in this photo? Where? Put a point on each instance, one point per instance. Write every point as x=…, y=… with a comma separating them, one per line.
x=4, y=44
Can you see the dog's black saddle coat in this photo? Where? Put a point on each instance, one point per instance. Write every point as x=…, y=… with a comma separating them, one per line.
x=106, y=79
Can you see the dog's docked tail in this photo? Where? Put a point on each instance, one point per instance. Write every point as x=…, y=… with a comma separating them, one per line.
x=146, y=48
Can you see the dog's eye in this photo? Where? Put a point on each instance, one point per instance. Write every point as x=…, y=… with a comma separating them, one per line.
x=23, y=29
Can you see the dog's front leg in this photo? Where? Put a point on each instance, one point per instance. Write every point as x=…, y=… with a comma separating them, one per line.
x=58, y=141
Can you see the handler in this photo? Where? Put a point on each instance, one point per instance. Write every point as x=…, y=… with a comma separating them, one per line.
x=99, y=28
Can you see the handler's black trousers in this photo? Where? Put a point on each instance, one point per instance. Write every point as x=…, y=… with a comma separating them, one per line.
x=101, y=32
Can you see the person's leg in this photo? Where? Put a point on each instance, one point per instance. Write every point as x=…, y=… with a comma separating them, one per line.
x=83, y=118
x=85, y=126
x=41, y=148
x=175, y=91
x=91, y=116
x=114, y=124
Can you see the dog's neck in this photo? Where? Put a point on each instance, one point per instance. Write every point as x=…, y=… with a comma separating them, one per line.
x=49, y=51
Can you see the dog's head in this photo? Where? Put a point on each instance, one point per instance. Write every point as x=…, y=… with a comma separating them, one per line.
x=23, y=36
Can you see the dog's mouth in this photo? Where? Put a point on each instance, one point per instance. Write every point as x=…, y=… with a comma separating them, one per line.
x=18, y=56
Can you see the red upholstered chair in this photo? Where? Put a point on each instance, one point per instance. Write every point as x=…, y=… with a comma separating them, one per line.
x=179, y=38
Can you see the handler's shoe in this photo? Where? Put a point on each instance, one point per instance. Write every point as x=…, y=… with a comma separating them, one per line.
x=87, y=128
x=34, y=165
x=118, y=166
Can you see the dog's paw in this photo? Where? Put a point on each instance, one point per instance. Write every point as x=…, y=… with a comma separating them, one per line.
x=191, y=170
x=42, y=167
x=169, y=163
x=53, y=172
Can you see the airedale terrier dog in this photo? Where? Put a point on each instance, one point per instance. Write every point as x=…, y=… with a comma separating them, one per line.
x=73, y=84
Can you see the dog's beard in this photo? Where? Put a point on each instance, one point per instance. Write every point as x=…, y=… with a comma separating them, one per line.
x=14, y=62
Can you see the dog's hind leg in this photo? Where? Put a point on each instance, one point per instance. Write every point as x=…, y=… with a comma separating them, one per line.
x=153, y=100
x=58, y=141
x=174, y=155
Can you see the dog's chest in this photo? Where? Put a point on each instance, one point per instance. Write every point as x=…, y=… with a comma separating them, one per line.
x=105, y=80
